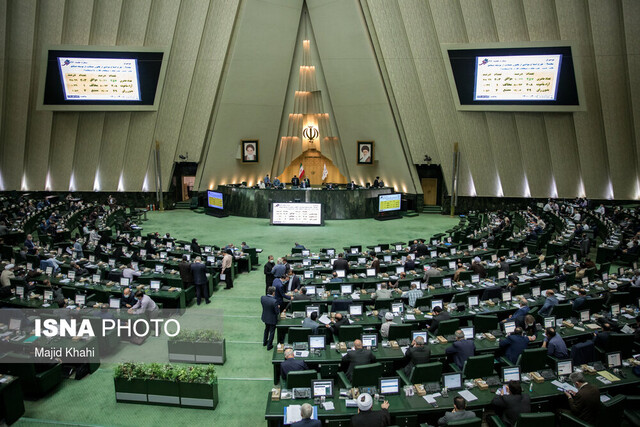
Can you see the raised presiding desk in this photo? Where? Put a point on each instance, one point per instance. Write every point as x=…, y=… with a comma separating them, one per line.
x=337, y=204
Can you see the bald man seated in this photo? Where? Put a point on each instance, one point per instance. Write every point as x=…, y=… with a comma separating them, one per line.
x=356, y=357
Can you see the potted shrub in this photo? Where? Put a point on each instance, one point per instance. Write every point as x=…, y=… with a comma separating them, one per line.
x=130, y=383
x=198, y=387
x=181, y=348
x=199, y=346
x=162, y=385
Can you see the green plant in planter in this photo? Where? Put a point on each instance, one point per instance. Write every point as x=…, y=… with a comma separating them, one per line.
x=198, y=335
x=156, y=371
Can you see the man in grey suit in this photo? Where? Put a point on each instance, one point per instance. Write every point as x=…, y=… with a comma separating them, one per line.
x=356, y=357
x=306, y=411
x=459, y=412
x=199, y=273
x=270, y=312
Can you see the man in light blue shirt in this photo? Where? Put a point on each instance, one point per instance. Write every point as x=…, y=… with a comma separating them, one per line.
x=549, y=303
x=555, y=345
x=279, y=270
x=413, y=294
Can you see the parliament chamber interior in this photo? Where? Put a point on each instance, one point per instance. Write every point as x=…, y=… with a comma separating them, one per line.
x=320, y=213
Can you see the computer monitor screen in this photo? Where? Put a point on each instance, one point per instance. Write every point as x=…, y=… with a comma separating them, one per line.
x=331, y=253
x=155, y=285
x=399, y=269
x=80, y=299
x=416, y=334
x=584, y=316
x=71, y=274
x=475, y=278
x=112, y=262
x=433, y=254
x=346, y=289
x=207, y=249
x=211, y=259
x=398, y=247
x=470, y=248
x=124, y=281
x=468, y=332
x=564, y=367
x=362, y=260
x=340, y=273
x=501, y=274
x=159, y=268
x=369, y=340
x=562, y=286
x=377, y=249
x=605, y=276
x=48, y=295
x=316, y=342
x=306, y=252
x=446, y=282
x=614, y=360
x=321, y=388
x=506, y=296
x=306, y=262
x=311, y=290
x=436, y=303
x=20, y=291
x=549, y=322
x=143, y=252
x=48, y=271
x=163, y=255
x=308, y=274
x=509, y=327
x=92, y=258
x=494, y=257
x=523, y=270
x=472, y=300
x=134, y=265
x=389, y=202
x=510, y=254
x=559, y=322
x=114, y=303
x=387, y=258
x=187, y=256
x=511, y=373
x=453, y=251
x=371, y=272
x=354, y=250
x=311, y=308
x=452, y=265
x=615, y=309
x=397, y=307
x=355, y=309
x=452, y=381
x=95, y=278
x=14, y=324
x=389, y=386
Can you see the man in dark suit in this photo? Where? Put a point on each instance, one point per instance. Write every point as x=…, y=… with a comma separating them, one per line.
x=417, y=354
x=409, y=264
x=127, y=300
x=199, y=272
x=281, y=293
x=514, y=345
x=461, y=349
x=357, y=357
x=302, y=295
x=294, y=282
x=511, y=404
x=459, y=412
x=295, y=181
x=375, y=264
x=341, y=264
x=306, y=411
x=340, y=320
x=185, y=272
x=270, y=311
x=268, y=275
x=602, y=337
x=440, y=316
x=585, y=403
x=421, y=249
x=291, y=364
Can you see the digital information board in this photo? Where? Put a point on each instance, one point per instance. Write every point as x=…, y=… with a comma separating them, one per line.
x=214, y=199
x=389, y=202
x=296, y=214
x=99, y=79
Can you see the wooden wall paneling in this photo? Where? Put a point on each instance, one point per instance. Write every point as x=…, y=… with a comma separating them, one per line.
x=19, y=56
x=76, y=29
x=206, y=77
x=38, y=142
x=631, y=14
x=161, y=26
x=607, y=30
x=574, y=24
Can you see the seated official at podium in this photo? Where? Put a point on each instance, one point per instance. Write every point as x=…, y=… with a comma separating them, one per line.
x=351, y=186
x=295, y=181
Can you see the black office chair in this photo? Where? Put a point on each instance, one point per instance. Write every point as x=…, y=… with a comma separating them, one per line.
x=468, y=422
x=400, y=331
x=547, y=283
x=465, y=276
x=460, y=297
x=563, y=311
x=617, y=342
x=302, y=305
x=349, y=333
x=423, y=302
x=383, y=304
x=422, y=373
x=300, y=379
x=531, y=359
x=527, y=420
x=298, y=335
x=485, y=323
x=448, y=327
x=476, y=367
x=594, y=305
x=363, y=375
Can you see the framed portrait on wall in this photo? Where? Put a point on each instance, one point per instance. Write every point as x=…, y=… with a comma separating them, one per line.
x=249, y=151
x=365, y=152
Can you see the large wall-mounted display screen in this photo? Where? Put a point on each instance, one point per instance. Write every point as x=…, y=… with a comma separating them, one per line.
x=296, y=214
x=513, y=78
x=98, y=79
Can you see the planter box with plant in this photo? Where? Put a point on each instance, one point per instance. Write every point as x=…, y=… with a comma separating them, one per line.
x=172, y=385
x=199, y=346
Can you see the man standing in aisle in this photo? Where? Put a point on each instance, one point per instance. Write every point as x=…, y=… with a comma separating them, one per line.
x=199, y=272
x=270, y=311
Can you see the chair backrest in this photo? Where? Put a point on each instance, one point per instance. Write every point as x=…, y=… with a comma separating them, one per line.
x=302, y=305
x=400, y=331
x=301, y=378
x=536, y=419
x=623, y=298
x=611, y=411
x=426, y=373
x=533, y=359
x=465, y=275
x=448, y=327
x=339, y=423
x=584, y=352
x=469, y=422
x=349, y=332
x=547, y=283
x=383, y=303
x=522, y=288
x=366, y=375
x=423, y=302
x=563, y=310
x=478, y=366
x=485, y=323
x=622, y=343
x=298, y=335
x=460, y=297
x=605, y=267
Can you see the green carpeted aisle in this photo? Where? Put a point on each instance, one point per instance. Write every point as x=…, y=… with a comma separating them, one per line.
x=247, y=375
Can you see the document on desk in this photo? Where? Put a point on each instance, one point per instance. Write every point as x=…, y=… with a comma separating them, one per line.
x=328, y=406
x=564, y=386
x=467, y=395
x=411, y=317
x=324, y=319
x=608, y=375
x=292, y=414
x=431, y=398
x=355, y=297
x=404, y=349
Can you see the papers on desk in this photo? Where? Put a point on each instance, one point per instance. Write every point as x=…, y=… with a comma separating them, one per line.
x=467, y=395
x=564, y=386
x=608, y=375
x=431, y=398
x=65, y=281
x=627, y=329
x=410, y=317
x=301, y=353
x=328, y=406
x=531, y=300
x=404, y=349
x=324, y=319
x=628, y=316
x=292, y=414
x=604, y=398
x=355, y=296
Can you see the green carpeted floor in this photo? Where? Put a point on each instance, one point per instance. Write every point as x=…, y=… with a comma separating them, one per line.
x=247, y=375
